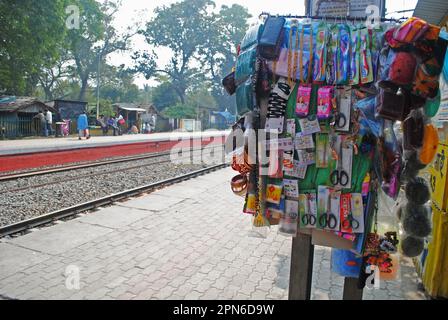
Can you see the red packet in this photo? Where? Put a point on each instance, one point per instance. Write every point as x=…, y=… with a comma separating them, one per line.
x=346, y=202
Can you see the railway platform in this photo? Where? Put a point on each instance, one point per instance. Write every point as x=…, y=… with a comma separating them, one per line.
x=34, y=153
x=186, y=241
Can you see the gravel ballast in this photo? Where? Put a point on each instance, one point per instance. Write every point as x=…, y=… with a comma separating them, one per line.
x=78, y=186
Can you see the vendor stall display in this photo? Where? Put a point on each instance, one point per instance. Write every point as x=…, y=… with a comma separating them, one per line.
x=320, y=102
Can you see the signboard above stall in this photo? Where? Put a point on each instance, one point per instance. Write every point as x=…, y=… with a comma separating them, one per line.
x=343, y=8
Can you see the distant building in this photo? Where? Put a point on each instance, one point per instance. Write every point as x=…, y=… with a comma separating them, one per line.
x=222, y=120
x=17, y=116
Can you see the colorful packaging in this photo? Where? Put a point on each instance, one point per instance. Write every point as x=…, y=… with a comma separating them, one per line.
x=400, y=68
x=308, y=210
x=332, y=57
x=366, y=58
x=324, y=102
x=303, y=101
x=320, y=52
x=411, y=30
x=343, y=55
x=355, y=56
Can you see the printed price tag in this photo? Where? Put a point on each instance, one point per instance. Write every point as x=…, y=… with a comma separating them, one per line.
x=291, y=188
x=306, y=158
x=303, y=142
x=309, y=126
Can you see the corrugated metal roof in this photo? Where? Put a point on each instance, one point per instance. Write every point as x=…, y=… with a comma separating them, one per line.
x=432, y=11
x=20, y=103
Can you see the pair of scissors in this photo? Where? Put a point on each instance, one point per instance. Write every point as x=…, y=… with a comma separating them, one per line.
x=350, y=223
x=328, y=219
x=309, y=219
x=340, y=120
x=340, y=176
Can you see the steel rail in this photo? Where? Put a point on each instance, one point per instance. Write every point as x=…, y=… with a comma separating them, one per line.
x=93, y=204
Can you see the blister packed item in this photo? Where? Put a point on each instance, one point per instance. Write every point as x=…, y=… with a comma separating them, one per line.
x=303, y=101
x=295, y=60
x=343, y=55
x=289, y=221
x=366, y=58
x=332, y=55
x=320, y=51
x=355, y=36
x=308, y=210
x=324, y=102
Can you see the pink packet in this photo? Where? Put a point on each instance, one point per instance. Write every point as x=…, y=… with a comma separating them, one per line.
x=303, y=101
x=324, y=102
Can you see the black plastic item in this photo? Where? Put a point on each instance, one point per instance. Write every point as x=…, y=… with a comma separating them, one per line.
x=392, y=105
x=417, y=191
x=416, y=220
x=272, y=37
x=413, y=131
x=229, y=83
x=412, y=246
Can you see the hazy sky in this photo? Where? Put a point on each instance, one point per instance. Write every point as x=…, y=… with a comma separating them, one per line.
x=142, y=10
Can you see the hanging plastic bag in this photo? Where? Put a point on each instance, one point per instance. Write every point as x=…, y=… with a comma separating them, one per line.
x=411, y=30
x=400, y=68
x=432, y=105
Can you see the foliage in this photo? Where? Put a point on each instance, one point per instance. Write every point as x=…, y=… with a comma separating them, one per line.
x=30, y=34
x=180, y=111
x=95, y=39
x=203, y=46
x=180, y=28
x=164, y=96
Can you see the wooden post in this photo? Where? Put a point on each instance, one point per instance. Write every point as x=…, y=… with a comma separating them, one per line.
x=351, y=290
x=301, y=275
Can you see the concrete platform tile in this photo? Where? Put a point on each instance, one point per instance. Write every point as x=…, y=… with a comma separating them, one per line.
x=60, y=238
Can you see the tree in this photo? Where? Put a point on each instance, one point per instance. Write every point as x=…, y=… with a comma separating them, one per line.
x=164, y=96
x=180, y=28
x=95, y=39
x=30, y=36
x=180, y=111
x=224, y=32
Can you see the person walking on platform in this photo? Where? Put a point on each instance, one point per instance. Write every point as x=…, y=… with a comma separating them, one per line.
x=83, y=126
x=103, y=124
x=49, y=123
x=42, y=123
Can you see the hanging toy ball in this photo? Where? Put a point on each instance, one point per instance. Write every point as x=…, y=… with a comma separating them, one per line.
x=417, y=191
x=412, y=246
x=416, y=220
x=412, y=166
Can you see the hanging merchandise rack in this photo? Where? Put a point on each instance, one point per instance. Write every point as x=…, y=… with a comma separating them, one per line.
x=330, y=18
x=328, y=96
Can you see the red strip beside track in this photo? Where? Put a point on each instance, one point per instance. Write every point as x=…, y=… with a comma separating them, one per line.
x=53, y=158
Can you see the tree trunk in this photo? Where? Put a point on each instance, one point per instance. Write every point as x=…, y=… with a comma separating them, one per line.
x=82, y=93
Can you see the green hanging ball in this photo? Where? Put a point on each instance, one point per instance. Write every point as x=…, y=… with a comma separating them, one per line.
x=432, y=105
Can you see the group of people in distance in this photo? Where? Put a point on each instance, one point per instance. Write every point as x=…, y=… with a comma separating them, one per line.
x=144, y=124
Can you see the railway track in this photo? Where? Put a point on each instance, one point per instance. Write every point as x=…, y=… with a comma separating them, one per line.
x=23, y=226
x=40, y=172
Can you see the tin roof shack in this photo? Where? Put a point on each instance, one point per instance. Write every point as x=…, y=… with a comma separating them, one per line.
x=68, y=109
x=129, y=111
x=17, y=116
